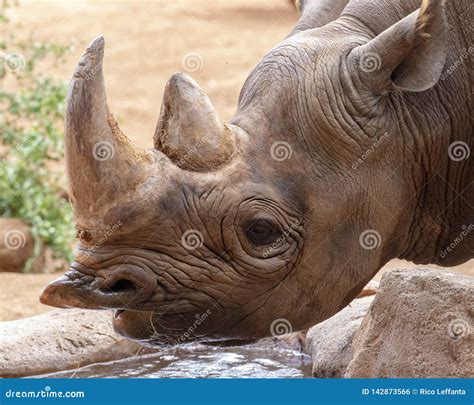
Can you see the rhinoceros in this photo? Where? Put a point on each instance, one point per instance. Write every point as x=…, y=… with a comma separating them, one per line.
x=350, y=147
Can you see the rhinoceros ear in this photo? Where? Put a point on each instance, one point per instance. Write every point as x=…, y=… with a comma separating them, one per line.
x=410, y=55
x=189, y=130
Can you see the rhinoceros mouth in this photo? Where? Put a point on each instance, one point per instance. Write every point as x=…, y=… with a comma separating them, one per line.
x=111, y=289
x=142, y=326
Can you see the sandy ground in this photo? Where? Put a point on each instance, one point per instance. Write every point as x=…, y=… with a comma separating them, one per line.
x=146, y=43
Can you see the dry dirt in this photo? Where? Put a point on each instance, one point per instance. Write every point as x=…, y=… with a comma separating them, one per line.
x=146, y=42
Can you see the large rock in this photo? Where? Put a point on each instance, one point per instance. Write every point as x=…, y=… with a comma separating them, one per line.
x=60, y=340
x=329, y=343
x=16, y=244
x=419, y=325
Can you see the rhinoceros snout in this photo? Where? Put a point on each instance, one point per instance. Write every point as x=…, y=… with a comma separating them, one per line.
x=118, y=287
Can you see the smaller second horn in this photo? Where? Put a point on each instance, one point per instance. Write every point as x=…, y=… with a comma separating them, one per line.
x=189, y=130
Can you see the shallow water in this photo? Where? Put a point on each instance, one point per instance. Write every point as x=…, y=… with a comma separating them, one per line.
x=201, y=362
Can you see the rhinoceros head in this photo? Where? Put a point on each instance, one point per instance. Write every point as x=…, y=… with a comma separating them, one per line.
x=190, y=232
x=233, y=231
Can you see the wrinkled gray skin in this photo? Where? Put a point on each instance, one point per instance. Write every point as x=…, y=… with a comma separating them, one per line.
x=280, y=238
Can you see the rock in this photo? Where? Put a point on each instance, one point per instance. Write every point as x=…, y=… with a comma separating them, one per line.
x=60, y=340
x=329, y=343
x=16, y=244
x=420, y=325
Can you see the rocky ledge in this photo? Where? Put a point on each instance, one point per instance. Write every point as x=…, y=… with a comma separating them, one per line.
x=60, y=340
x=418, y=325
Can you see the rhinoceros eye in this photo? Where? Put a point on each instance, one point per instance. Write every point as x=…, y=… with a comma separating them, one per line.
x=262, y=232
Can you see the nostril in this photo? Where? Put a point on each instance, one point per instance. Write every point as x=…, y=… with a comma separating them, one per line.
x=121, y=285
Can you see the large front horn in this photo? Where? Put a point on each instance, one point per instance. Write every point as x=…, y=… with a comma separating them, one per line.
x=189, y=130
x=102, y=164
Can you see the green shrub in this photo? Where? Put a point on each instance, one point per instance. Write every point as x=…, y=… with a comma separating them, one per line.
x=31, y=142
